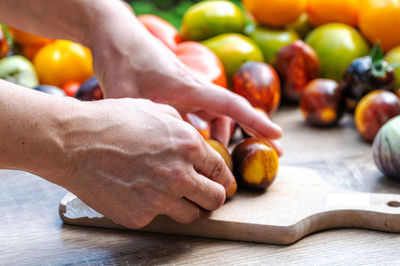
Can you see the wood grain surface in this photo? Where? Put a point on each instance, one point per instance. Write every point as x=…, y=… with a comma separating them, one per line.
x=297, y=204
x=38, y=237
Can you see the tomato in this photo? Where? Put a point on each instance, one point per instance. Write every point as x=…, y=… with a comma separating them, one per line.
x=233, y=50
x=25, y=38
x=336, y=45
x=203, y=127
x=343, y=11
x=3, y=44
x=71, y=88
x=161, y=29
x=202, y=61
x=63, y=61
x=211, y=18
x=380, y=21
x=393, y=57
x=271, y=40
x=275, y=12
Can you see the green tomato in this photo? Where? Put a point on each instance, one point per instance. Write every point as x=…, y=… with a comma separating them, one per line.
x=302, y=26
x=211, y=18
x=393, y=57
x=234, y=50
x=337, y=45
x=19, y=70
x=271, y=40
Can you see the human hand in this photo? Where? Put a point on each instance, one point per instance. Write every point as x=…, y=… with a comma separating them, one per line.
x=132, y=63
x=132, y=159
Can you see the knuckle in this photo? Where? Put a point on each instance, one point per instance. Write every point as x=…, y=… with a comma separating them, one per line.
x=178, y=178
x=217, y=169
x=218, y=198
x=172, y=111
x=192, y=141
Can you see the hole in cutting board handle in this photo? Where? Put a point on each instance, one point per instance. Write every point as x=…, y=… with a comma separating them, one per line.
x=393, y=204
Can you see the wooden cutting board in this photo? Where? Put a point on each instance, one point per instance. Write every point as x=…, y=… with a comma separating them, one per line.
x=297, y=204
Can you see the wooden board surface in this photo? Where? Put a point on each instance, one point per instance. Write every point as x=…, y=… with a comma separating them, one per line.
x=32, y=233
x=298, y=203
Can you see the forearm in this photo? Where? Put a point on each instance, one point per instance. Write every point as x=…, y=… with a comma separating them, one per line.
x=32, y=126
x=74, y=20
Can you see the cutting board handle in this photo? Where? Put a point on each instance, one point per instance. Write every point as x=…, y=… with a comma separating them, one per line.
x=361, y=210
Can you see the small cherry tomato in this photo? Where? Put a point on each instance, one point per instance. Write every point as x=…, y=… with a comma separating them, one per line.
x=322, y=102
x=259, y=84
x=373, y=111
x=71, y=88
x=63, y=61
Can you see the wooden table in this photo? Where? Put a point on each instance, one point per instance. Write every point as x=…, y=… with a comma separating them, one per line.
x=31, y=232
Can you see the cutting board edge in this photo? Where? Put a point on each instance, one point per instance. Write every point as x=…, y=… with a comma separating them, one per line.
x=287, y=235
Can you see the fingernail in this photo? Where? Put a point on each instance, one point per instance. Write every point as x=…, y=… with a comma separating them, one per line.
x=232, y=189
x=278, y=130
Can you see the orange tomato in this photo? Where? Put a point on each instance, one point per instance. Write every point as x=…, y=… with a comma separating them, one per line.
x=380, y=21
x=275, y=12
x=343, y=11
x=63, y=61
x=29, y=51
x=71, y=88
x=24, y=38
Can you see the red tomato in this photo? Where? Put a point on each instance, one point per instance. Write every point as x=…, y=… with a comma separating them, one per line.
x=162, y=30
x=71, y=88
x=202, y=61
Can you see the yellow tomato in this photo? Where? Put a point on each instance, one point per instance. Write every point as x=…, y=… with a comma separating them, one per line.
x=63, y=61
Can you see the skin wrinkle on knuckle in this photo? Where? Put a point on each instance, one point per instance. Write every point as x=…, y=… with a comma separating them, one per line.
x=217, y=168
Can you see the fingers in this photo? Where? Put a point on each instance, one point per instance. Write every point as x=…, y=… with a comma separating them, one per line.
x=183, y=211
x=218, y=100
x=220, y=126
x=204, y=192
x=210, y=164
x=221, y=129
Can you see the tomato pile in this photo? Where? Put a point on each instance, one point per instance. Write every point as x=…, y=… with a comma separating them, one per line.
x=326, y=56
x=315, y=53
x=58, y=67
